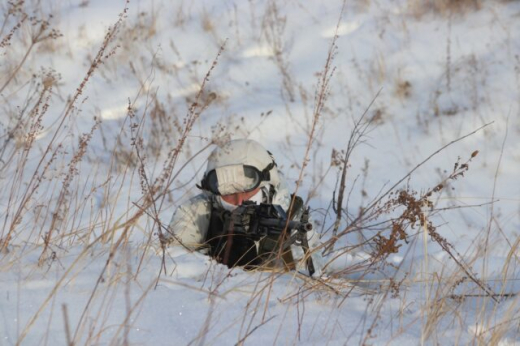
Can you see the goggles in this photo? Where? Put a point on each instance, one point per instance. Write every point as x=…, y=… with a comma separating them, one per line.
x=232, y=179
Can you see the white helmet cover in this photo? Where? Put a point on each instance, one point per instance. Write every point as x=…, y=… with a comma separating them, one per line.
x=229, y=160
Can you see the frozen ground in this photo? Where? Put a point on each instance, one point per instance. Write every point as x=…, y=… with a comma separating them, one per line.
x=434, y=72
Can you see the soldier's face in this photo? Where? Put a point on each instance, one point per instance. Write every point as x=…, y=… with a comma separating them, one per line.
x=238, y=198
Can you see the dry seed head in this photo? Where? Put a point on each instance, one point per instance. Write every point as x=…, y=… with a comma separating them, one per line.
x=335, y=159
x=438, y=188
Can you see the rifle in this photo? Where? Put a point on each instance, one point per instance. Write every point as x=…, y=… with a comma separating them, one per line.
x=256, y=221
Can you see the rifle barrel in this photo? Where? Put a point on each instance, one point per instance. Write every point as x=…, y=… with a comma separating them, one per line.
x=280, y=224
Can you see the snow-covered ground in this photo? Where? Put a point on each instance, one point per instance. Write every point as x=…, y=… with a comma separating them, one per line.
x=429, y=73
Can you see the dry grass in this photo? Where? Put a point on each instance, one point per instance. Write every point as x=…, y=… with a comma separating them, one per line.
x=64, y=188
x=444, y=7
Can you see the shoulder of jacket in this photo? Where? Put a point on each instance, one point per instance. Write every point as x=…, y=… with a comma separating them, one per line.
x=199, y=201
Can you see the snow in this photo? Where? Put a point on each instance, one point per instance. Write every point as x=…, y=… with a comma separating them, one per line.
x=437, y=77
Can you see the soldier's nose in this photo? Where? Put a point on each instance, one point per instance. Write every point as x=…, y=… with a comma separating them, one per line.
x=236, y=198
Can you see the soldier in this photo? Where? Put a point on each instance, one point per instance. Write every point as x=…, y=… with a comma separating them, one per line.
x=240, y=170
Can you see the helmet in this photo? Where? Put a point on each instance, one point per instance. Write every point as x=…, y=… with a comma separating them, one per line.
x=239, y=165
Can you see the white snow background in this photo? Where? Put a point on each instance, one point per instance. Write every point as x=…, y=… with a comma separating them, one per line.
x=429, y=73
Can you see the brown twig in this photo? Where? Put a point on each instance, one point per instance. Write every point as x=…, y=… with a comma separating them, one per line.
x=356, y=134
